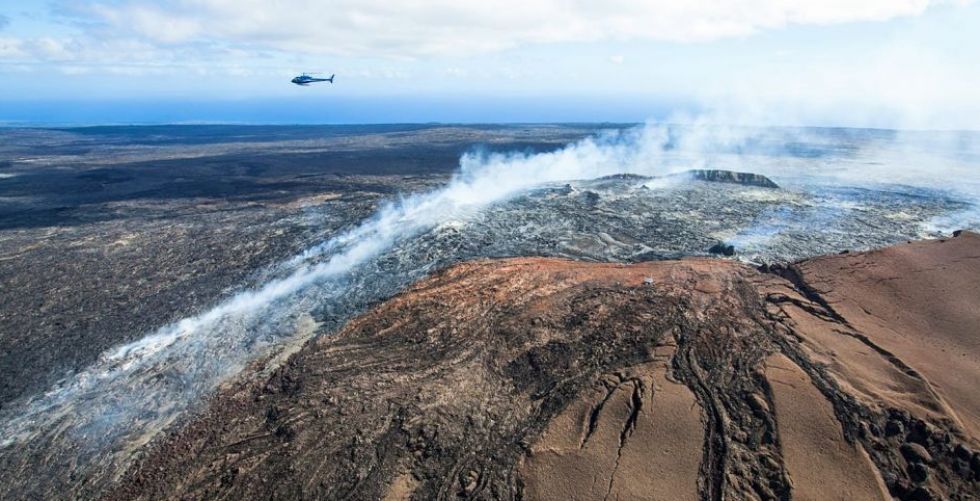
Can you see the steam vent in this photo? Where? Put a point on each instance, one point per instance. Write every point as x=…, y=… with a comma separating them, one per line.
x=542, y=378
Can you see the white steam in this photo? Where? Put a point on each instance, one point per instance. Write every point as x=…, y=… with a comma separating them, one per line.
x=137, y=389
x=197, y=353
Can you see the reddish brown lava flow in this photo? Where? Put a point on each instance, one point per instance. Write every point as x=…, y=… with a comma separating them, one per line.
x=850, y=377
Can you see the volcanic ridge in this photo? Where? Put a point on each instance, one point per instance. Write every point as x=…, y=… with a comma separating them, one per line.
x=325, y=312
x=545, y=378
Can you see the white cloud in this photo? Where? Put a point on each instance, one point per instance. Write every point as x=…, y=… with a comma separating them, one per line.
x=438, y=45
x=11, y=48
x=451, y=27
x=902, y=84
x=179, y=33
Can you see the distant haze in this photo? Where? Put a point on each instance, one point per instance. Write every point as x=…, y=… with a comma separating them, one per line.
x=328, y=109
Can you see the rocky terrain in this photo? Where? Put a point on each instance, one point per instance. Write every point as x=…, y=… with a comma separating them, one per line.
x=849, y=376
x=202, y=311
x=109, y=232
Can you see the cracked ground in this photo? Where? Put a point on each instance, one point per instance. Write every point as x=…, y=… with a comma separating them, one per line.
x=526, y=378
x=553, y=379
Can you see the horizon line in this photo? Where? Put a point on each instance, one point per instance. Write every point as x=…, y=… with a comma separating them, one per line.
x=41, y=125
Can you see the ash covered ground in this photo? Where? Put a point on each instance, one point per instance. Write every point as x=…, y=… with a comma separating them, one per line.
x=109, y=232
x=144, y=267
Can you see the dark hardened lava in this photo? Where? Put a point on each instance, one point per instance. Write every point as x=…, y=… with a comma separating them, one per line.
x=107, y=233
x=162, y=227
x=452, y=381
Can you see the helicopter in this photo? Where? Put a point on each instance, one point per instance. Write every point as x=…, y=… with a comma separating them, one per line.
x=305, y=79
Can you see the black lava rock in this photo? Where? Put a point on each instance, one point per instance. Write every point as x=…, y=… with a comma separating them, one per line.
x=894, y=427
x=921, y=494
x=918, y=472
x=915, y=453
x=722, y=249
x=727, y=176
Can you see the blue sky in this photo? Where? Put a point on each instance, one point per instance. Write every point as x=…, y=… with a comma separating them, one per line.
x=882, y=63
